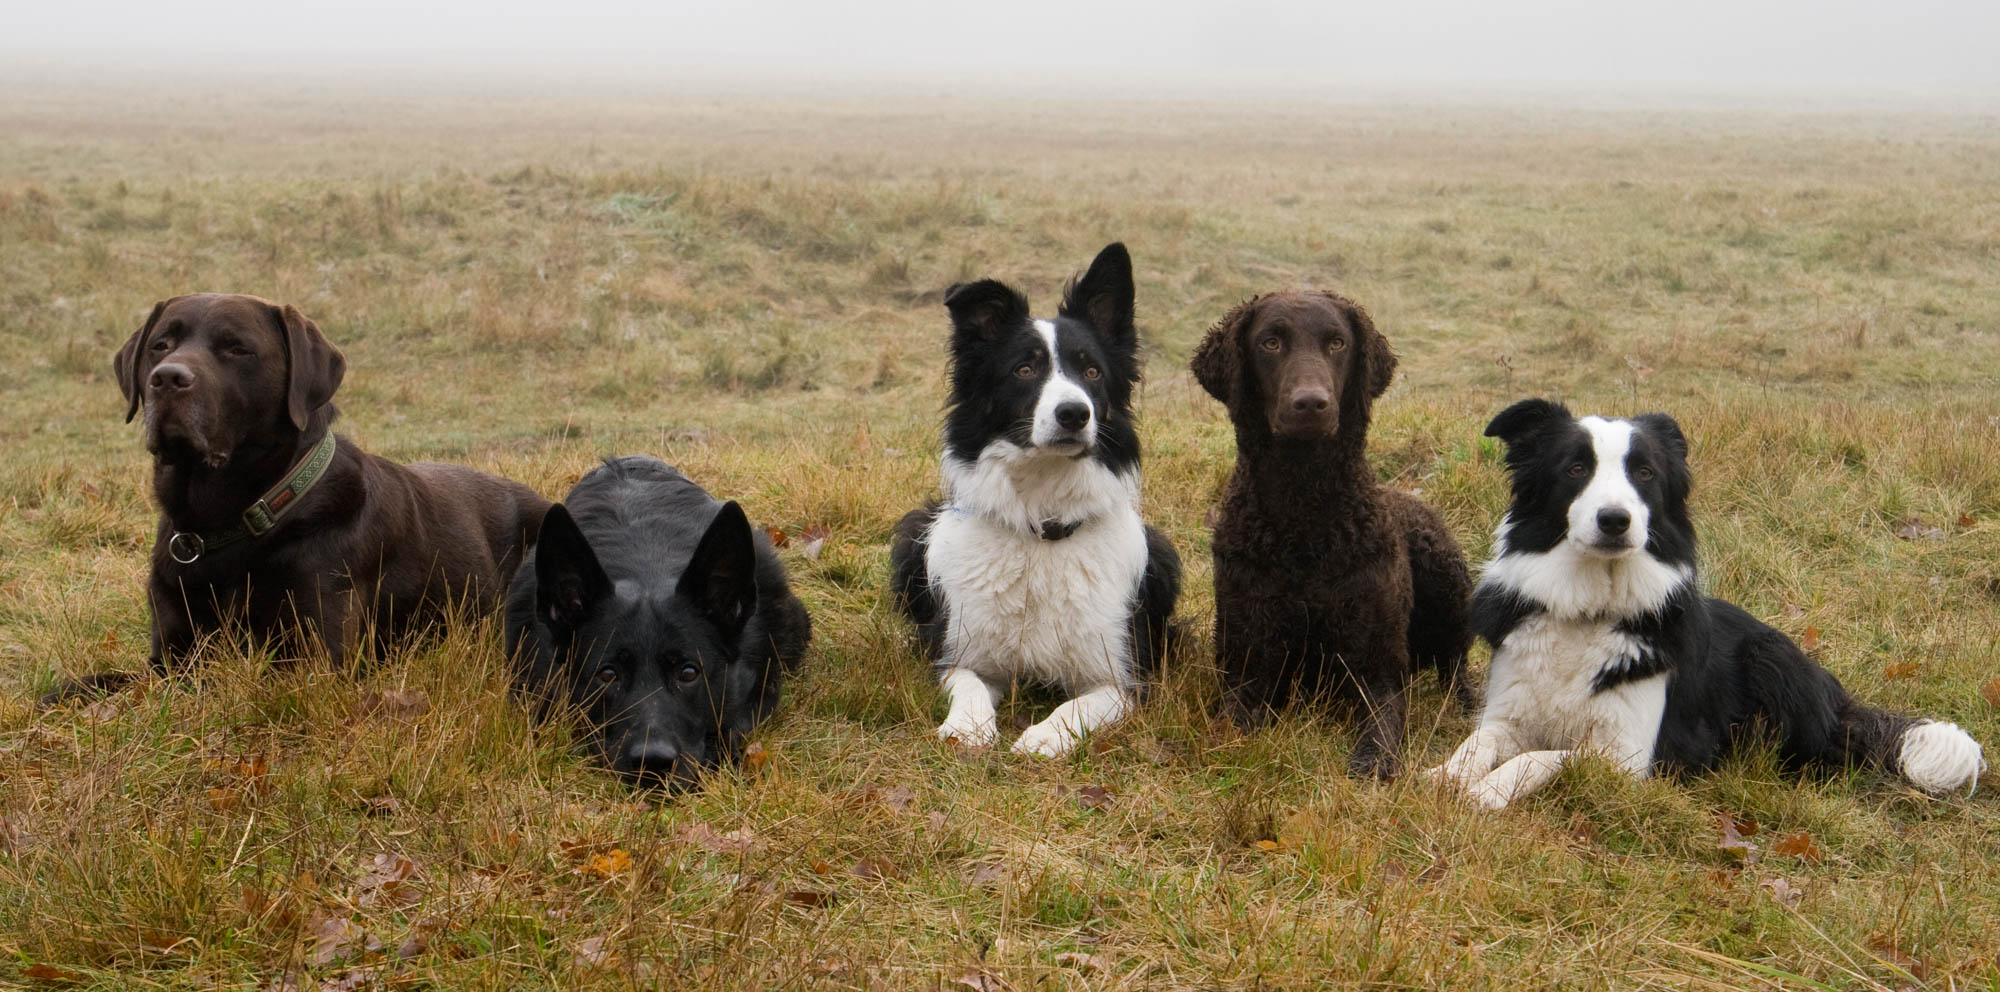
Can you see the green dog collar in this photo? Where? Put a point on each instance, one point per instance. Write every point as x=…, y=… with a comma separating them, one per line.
x=187, y=547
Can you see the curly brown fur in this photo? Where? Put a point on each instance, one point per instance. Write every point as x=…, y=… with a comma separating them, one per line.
x=1327, y=584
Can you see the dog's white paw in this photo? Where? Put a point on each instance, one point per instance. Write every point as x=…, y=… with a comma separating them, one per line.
x=1047, y=741
x=1490, y=796
x=969, y=731
x=1940, y=757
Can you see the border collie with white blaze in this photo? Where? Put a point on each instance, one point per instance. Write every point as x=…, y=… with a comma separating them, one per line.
x=1602, y=640
x=1035, y=567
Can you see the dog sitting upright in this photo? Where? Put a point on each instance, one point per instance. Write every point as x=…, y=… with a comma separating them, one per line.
x=1328, y=585
x=273, y=525
x=1036, y=566
x=1603, y=641
x=658, y=612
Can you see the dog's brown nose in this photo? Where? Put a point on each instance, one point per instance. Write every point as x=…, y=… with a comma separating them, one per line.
x=1310, y=399
x=171, y=377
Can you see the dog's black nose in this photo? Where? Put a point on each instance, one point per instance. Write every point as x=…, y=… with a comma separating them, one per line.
x=1072, y=415
x=1310, y=400
x=651, y=760
x=171, y=377
x=1613, y=521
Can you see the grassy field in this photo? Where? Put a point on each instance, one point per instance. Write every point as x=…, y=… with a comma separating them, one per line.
x=527, y=279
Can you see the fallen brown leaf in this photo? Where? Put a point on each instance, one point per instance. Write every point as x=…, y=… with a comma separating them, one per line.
x=876, y=868
x=754, y=758
x=337, y=938
x=1991, y=692
x=1886, y=949
x=1783, y=890
x=1793, y=611
x=742, y=840
x=609, y=864
x=100, y=711
x=393, y=704
x=1078, y=959
x=1902, y=670
x=1966, y=520
x=779, y=538
x=1809, y=642
x=808, y=898
x=223, y=800
x=1799, y=845
x=595, y=952
x=812, y=540
x=979, y=981
x=1733, y=842
x=51, y=973
x=387, y=882
x=1095, y=796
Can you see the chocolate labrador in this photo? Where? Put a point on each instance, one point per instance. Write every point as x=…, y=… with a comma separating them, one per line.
x=273, y=527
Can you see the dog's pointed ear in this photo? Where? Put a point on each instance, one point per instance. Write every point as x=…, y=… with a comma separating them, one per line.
x=721, y=578
x=1378, y=359
x=982, y=310
x=130, y=362
x=1102, y=297
x=1518, y=425
x=1218, y=361
x=317, y=366
x=569, y=582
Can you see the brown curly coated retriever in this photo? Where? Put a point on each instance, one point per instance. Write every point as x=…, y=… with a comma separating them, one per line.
x=1327, y=584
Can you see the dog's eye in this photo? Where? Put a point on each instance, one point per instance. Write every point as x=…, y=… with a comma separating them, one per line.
x=161, y=345
x=1578, y=470
x=689, y=672
x=1336, y=345
x=1643, y=473
x=1271, y=343
x=236, y=351
x=1025, y=370
x=1090, y=372
x=607, y=675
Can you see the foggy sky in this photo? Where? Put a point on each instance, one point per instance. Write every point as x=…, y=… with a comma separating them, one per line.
x=1927, y=49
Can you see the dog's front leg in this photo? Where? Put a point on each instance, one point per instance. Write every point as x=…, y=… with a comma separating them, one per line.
x=1518, y=778
x=1054, y=736
x=972, y=720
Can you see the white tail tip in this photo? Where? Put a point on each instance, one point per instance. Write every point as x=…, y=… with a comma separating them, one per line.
x=1939, y=757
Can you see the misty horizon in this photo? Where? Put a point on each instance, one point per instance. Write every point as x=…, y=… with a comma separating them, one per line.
x=1923, y=53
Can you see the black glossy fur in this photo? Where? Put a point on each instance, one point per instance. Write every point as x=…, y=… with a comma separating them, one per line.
x=659, y=613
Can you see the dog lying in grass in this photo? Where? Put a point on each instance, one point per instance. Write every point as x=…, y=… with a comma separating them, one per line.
x=270, y=524
x=660, y=614
x=1603, y=642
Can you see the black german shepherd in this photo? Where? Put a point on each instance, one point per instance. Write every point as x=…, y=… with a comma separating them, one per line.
x=660, y=614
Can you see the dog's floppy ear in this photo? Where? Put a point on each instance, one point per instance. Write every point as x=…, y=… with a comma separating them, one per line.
x=721, y=578
x=985, y=308
x=317, y=366
x=569, y=583
x=1378, y=359
x=1102, y=296
x=1519, y=424
x=131, y=360
x=1376, y=368
x=1218, y=360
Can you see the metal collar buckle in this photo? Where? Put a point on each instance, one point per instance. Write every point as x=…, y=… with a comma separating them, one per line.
x=186, y=547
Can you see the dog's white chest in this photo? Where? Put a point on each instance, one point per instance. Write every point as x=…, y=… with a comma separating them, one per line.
x=1540, y=686
x=1019, y=607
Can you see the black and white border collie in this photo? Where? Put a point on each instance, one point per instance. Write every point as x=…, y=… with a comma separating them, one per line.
x=1035, y=566
x=1602, y=640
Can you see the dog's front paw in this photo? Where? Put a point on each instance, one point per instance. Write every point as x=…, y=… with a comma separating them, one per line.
x=1380, y=765
x=1045, y=740
x=1490, y=796
x=969, y=731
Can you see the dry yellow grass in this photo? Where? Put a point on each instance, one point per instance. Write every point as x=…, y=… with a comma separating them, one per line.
x=747, y=286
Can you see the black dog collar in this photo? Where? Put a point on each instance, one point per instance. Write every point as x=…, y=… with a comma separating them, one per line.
x=187, y=547
x=1056, y=530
